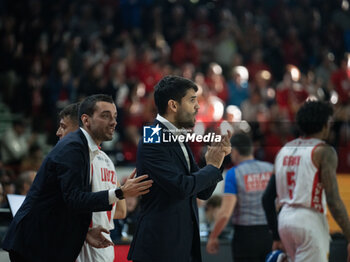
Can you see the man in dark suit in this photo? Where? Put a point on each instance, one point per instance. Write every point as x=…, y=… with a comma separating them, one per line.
x=168, y=227
x=53, y=221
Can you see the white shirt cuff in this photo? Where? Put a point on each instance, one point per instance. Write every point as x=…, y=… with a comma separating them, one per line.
x=111, y=196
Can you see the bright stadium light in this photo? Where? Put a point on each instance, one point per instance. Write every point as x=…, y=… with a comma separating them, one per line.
x=295, y=74
x=243, y=72
x=216, y=68
x=235, y=112
x=266, y=75
x=271, y=93
x=218, y=109
x=334, y=97
x=345, y=5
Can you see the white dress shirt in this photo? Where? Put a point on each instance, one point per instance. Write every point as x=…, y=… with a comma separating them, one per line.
x=93, y=152
x=175, y=131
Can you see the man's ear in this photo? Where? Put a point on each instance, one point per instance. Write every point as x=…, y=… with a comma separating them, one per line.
x=173, y=105
x=85, y=120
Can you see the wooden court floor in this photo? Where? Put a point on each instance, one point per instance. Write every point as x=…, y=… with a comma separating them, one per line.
x=344, y=190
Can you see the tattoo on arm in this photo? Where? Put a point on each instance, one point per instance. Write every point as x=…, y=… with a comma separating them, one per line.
x=328, y=167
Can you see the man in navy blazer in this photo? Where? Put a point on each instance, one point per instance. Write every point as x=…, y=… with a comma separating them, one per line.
x=53, y=221
x=168, y=228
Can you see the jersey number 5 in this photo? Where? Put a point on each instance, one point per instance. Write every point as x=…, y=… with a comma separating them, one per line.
x=291, y=183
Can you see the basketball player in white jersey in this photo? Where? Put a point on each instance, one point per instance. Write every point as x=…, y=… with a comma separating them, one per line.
x=305, y=182
x=103, y=177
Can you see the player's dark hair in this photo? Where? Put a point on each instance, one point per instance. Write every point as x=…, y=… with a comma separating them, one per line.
x=242, y=143
x=70, y=111
x=171, y=87
x=88, y=105
x=313, y=116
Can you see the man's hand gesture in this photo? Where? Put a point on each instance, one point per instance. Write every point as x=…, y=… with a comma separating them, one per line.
x=134, y=187
x=96, y=239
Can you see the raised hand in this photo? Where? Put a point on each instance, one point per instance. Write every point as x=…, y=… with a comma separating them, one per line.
x=217, y=151
x=215, y=156
x=226, y=143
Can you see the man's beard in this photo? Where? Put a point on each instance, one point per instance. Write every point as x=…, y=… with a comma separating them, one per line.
x=185, y=122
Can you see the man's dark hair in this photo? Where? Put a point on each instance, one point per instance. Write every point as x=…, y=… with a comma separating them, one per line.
x=242, y=143
x=24, y=178
x=88, y=105
x=171, y=87
x=313, y=116
x=70, y=111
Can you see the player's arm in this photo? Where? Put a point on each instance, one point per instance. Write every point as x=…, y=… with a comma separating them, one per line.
x=120, y=210
x=328, y=161
x=227, y=206
x=268, y=202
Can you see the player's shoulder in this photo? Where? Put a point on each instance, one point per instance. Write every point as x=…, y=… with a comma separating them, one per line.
x=265, y=163
x=294, y=142
x=71, y=143
x=105, y=156
x=324, y=152
x=324, y=149
x=76, y=137
x=231, y=172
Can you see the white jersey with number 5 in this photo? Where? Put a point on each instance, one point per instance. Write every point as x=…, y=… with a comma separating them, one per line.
x=297, y=178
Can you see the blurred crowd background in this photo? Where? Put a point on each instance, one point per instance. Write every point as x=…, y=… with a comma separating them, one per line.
x=255, y=62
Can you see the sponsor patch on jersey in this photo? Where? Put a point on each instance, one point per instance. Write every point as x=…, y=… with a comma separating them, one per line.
x=256, y=182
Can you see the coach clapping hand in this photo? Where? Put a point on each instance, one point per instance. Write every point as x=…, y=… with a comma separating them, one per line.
x=225, y=143
x=217, y=151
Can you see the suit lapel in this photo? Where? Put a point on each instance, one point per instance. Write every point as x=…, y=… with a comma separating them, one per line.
x=190, y=155
x=87, y=157
x=180, y=153
x=175, y=146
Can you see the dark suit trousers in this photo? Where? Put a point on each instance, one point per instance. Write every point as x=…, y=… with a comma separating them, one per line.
x=15, y=257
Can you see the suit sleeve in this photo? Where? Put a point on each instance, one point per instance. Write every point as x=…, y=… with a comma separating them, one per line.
x=71, y=176
x=206, y=193
x=169, y=174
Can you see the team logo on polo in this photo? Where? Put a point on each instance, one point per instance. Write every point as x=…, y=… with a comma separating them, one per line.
x=151, y=134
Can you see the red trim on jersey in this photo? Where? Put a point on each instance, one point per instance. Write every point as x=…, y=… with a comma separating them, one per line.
x=109, y=213
x=312, y=154
x=92, y=172
x=316, y=197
